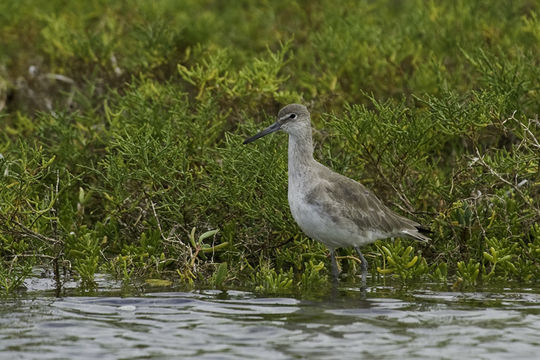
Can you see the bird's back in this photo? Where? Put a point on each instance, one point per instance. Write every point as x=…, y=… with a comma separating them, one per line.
x=339, y=211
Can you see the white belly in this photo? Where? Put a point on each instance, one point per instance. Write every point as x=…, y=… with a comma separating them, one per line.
x=321, y=227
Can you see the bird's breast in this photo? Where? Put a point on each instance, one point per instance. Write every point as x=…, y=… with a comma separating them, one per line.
x=320, y=222
x=314, y=223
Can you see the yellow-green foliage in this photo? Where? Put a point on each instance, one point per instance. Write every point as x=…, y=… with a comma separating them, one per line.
x=121, y=128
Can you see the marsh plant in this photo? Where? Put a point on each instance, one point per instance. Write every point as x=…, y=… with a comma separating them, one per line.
x=121, y=126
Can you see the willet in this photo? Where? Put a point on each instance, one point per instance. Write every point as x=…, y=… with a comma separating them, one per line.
x=329, y=207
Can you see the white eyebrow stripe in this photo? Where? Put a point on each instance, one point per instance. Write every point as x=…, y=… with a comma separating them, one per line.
x=284, y=117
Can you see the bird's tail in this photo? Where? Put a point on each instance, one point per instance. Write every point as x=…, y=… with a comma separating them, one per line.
x=419, y=233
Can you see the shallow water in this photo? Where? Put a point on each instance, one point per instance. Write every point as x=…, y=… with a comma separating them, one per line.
x=381, y=324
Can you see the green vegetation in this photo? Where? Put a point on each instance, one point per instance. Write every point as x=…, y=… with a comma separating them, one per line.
x=121, y=125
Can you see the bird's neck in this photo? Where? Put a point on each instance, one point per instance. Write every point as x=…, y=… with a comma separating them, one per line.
x=300, y=156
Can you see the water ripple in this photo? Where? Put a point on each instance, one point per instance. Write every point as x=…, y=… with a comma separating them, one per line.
x=212, y=325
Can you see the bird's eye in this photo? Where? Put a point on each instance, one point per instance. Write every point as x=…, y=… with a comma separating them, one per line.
x=292, y=116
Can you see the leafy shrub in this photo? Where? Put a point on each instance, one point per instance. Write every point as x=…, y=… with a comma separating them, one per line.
x=122, y=123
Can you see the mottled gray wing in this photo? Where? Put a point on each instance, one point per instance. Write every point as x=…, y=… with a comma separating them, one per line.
x=347, y=201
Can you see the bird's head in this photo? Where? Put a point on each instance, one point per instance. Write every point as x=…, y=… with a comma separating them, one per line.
x=292, y=119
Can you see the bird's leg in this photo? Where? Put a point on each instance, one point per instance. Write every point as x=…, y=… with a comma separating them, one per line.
x=335, y=272
x=364, y=266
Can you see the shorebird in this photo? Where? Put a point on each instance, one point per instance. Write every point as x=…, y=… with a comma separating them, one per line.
x=329, y=207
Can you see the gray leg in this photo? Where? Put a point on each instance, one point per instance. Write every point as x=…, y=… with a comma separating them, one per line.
x=335, y=272
x=364, y=266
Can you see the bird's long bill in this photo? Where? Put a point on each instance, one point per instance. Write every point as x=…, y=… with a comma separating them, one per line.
x=272, y=128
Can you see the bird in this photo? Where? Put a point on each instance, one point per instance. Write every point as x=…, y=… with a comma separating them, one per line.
x=329, y=207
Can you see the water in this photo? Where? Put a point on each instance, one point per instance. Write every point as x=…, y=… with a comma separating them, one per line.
x=382, y=324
